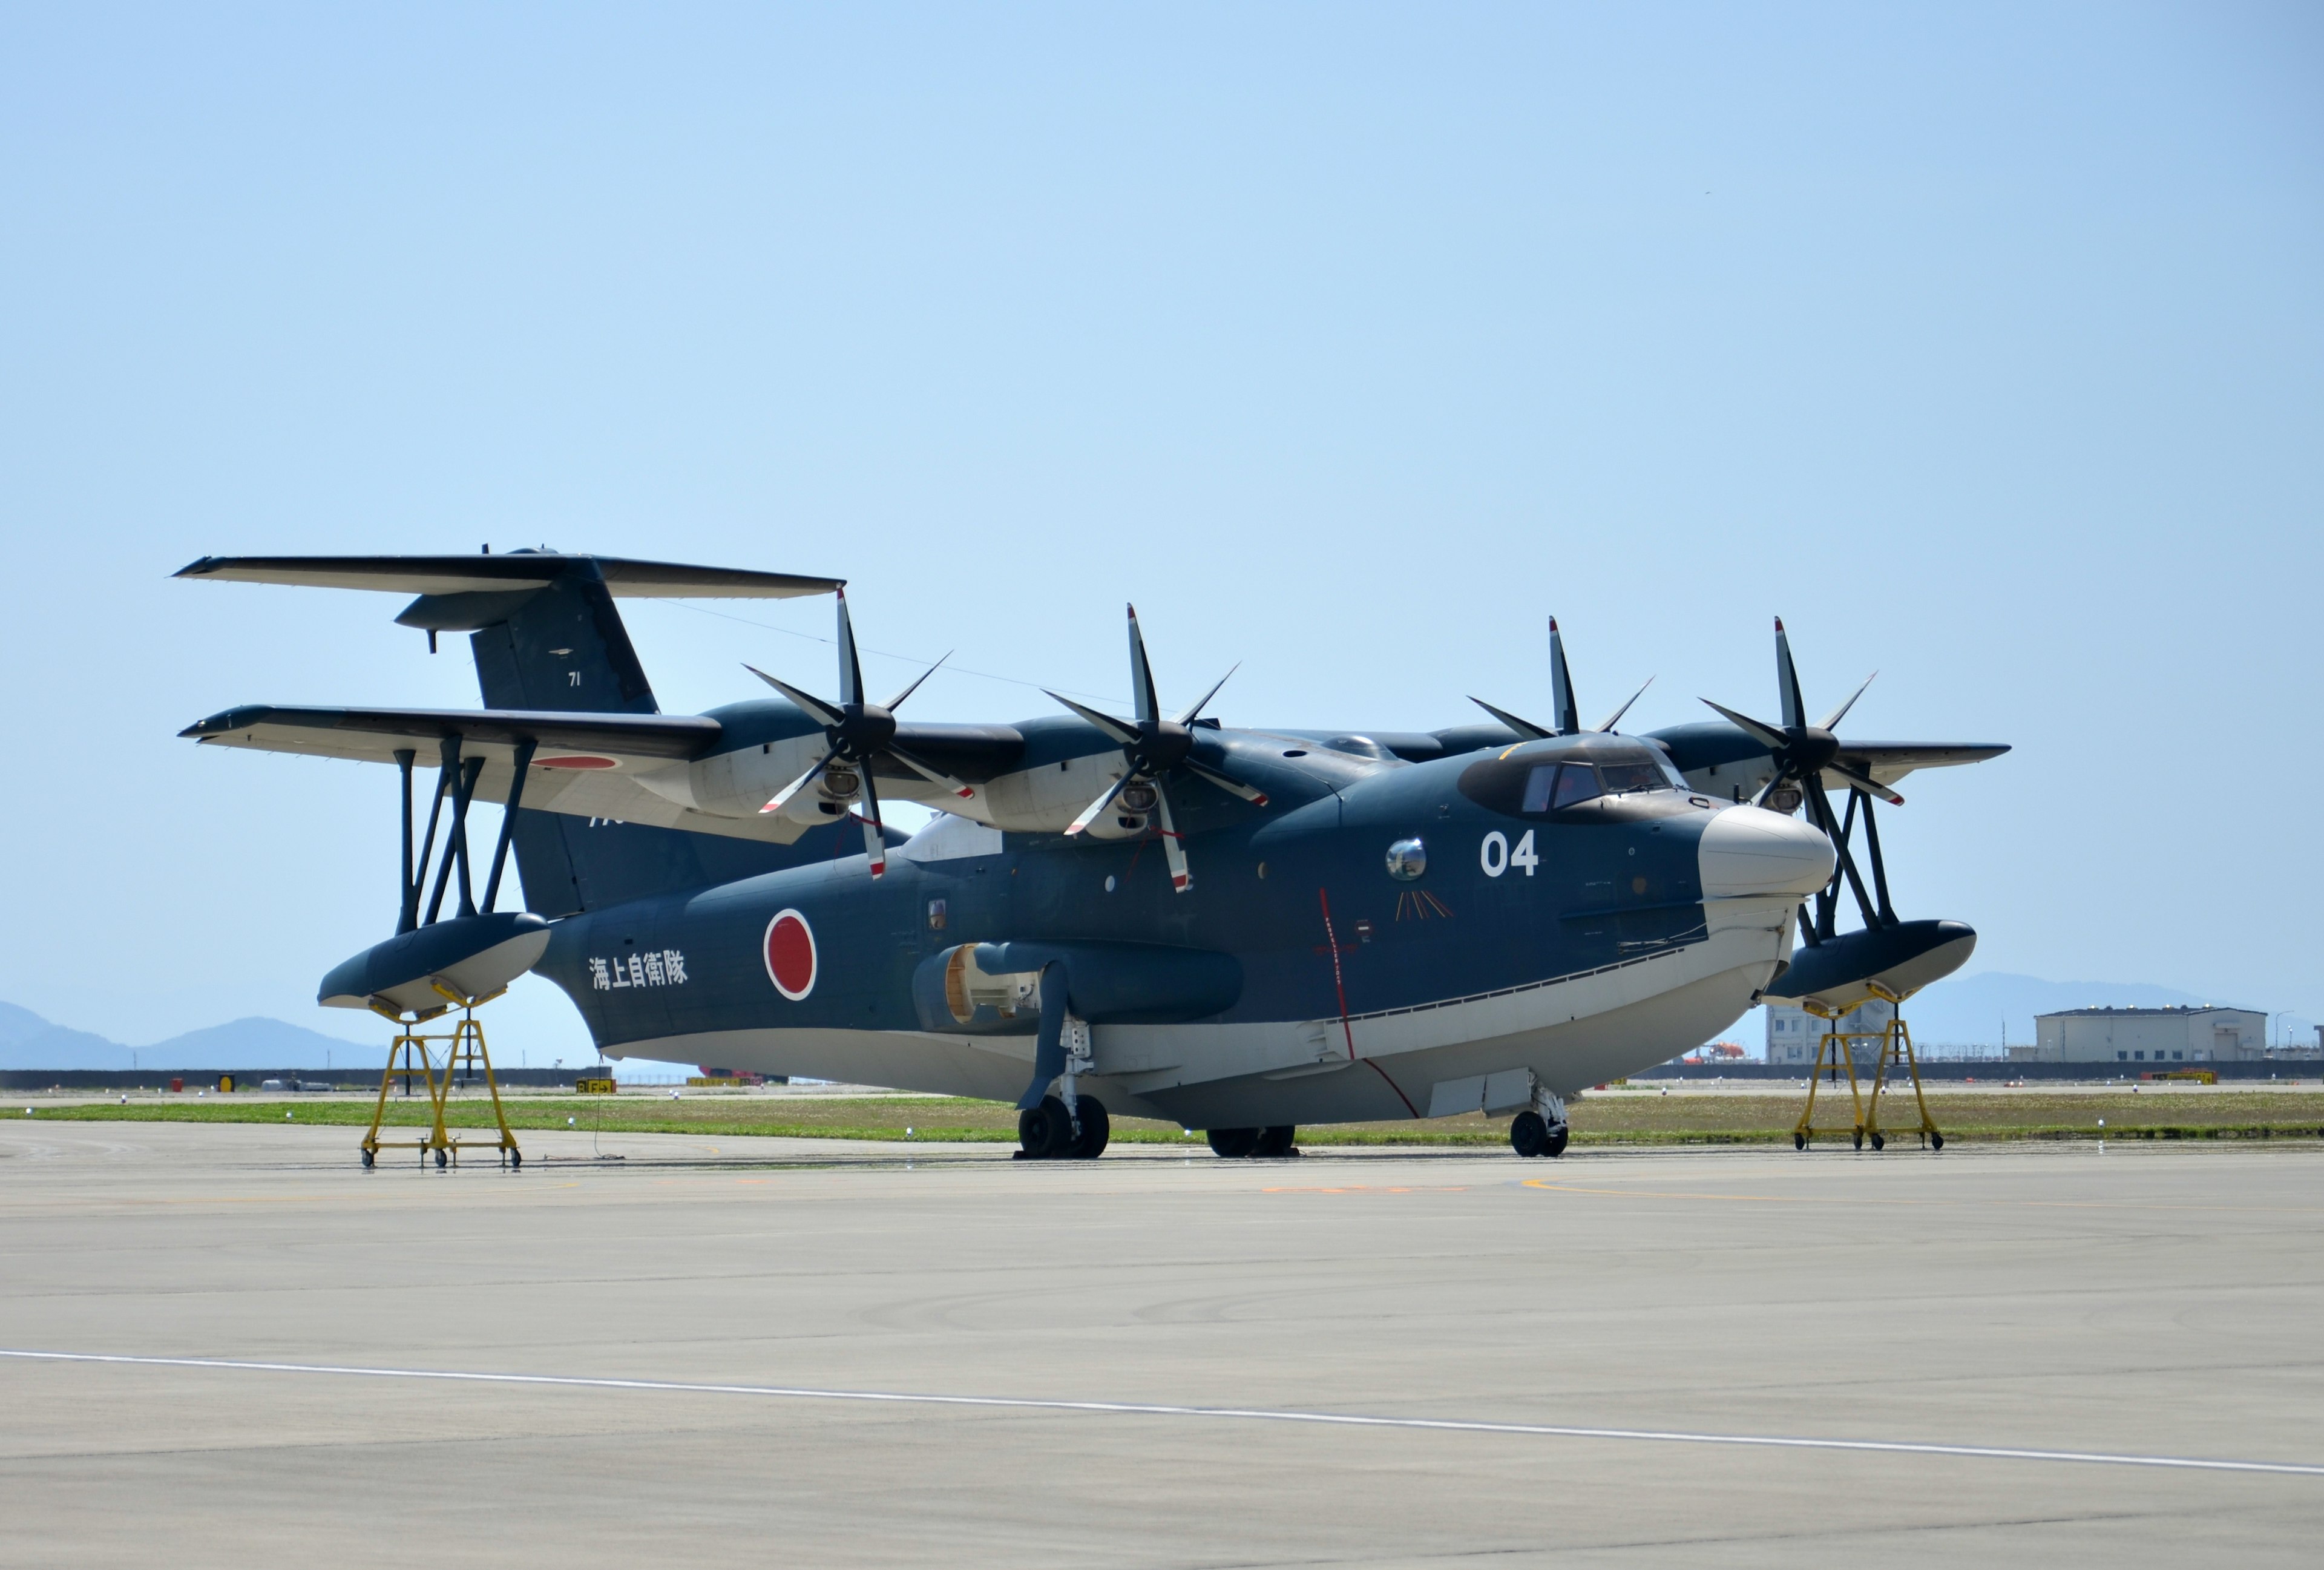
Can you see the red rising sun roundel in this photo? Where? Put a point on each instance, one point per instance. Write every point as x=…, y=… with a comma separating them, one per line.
x=790, y=954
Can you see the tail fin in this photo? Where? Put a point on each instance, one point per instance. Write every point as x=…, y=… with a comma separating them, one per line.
x=546, y=634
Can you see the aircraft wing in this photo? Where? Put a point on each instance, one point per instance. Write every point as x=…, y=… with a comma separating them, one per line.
x=1889, y=761
x=374, y=735
x=588, y=765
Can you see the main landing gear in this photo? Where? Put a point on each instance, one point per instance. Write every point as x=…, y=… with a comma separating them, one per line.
x=1541, y=1130
x=1238, y=1144
x=1046, y=1133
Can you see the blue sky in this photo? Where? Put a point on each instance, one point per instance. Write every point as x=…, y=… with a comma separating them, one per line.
x=1985, y=344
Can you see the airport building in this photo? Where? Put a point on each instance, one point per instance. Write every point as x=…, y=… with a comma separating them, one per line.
x=2148, y=1036
x=1794, y=1036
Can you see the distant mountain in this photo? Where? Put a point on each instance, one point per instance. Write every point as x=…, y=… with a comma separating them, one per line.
x=1969, y=1009
x=29, y=1042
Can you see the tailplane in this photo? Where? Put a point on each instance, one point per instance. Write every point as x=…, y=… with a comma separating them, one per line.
x=547, y=636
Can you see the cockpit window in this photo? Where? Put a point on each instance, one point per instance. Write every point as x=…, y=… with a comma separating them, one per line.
x=1538, y=789
x=1576, y=783
x=1624, y=778
x=1538, y=785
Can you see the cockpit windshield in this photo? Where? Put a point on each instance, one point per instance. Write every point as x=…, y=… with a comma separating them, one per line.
x=1550, y=787
x=1622, y=777
x=1539, y=787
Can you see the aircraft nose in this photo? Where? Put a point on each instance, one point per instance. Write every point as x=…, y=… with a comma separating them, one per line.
x=1749, y=851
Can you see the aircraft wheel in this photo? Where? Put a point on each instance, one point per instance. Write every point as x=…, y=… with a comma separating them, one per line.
x=1043, y=1132
x=1276, y=1141
x=1936, y=1141
x=442, y=1160
x=1233, y=1143
x=1529, y=1134
x=1799, y=1141
x=1857, y=1139
x=1559, y=1138
x=516, y=1161
x=368, y=1159
x=1096, y=1129
x=1879, y=1142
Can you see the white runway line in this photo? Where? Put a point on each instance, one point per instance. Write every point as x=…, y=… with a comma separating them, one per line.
x=1228, y=1414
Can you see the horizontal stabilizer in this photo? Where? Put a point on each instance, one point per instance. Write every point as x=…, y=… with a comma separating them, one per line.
x=516, y=571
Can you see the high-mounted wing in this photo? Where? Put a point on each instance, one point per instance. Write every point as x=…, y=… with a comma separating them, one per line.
x=375, y=734
x=584, y=765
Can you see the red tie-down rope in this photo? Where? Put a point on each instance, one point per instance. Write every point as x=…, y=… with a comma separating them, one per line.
x=1339, y=985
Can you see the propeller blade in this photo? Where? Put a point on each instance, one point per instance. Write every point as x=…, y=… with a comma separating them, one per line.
x=1611, y=719
x=932, y=774
x=1767, y=735
x=875, y=834
x=1141, y=677
x=783, y=798
x=1180, y=879
x=1865, y=782
x=1526, y=729
x=896, y=701
x=1230, y=786
x=1187, y=718
x=851, y=673
x=1560, y=687
x=1787, y=681
x=1118, y=730
x=1090, y=813
x=822, y=712
x=1839, y=713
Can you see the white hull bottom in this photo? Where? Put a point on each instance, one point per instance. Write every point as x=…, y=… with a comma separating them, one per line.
x=1570, y=1033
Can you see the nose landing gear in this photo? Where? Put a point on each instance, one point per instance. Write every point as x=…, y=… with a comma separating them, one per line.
x=1541, y=1130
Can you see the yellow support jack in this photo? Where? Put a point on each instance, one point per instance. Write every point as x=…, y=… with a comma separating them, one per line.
x=1896, y=1047
x=1837, y=1052
x=463, y=1047
x=1832, y=1052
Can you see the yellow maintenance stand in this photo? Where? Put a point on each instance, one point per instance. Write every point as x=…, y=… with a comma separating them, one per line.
x=1836, y=1052
x=463, y=1048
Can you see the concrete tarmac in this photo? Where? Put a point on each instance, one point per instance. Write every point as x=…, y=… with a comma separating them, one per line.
x=2155, y=1305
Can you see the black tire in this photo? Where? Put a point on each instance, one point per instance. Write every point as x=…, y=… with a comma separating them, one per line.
x=1276, y=1141
x=1233, y=1144
x=1560, y=1136
x=516, y=1160
x=1096, y=1129
x=1936, y=1141
x=1857, y=1139
x=368, y=1159
x=1879, y=1142
x=1529, y=1135
x=1799, y=1141
x=442, y=1160
x=1044, y=1133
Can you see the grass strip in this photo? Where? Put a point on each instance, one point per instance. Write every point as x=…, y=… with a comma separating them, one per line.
x=1620, y=1120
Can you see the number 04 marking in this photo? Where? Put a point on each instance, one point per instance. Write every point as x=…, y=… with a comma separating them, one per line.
x=1495, y=856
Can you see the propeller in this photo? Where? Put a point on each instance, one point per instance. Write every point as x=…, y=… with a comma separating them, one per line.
x=1561, y=692
x=856, y=735
x=1151, y=747
x=1803, y=753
